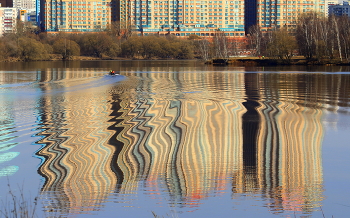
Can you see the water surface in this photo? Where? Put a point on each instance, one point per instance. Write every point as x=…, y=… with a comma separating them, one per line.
x=177, y=138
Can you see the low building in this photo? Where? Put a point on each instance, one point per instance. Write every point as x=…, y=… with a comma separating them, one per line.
x=340, y=9
x=329, y=3
x=8, y=18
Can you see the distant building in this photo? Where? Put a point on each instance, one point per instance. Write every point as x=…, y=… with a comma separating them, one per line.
x=6, y=3
x=276, y=13
x=72, y=16
x=181, y=17
x=8, y=18
x=177, y=17
x=37, y=12
x=340, y=9
x=329, y=3
x=24, y=4
x=28, y=16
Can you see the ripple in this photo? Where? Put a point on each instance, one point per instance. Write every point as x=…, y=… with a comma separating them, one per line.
x=8, y=171
x=182, y=138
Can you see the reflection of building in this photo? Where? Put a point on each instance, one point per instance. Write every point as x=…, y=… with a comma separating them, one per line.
x=6, y=139
x=289, y=154
x=193, y=144
x=288, y=150
x=75, y=149
x=266, y=146
x=249, y=133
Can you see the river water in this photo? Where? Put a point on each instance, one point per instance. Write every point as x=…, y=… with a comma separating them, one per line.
x=174, y=139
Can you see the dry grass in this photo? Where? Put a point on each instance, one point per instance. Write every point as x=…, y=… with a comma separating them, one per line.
x=17, y=205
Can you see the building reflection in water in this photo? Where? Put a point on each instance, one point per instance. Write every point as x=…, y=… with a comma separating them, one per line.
x=75, y=147
x=194, y=139
x=287, y=138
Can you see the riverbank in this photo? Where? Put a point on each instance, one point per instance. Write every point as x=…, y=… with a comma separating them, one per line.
x=266, y=61
x=55, y=57
x=236, y=61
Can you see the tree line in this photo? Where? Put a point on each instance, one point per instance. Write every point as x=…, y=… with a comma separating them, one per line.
x=315, y=37
x=29, y=45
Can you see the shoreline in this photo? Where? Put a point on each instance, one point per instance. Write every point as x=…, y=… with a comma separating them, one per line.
x=84, y=58
x=259, y=61
x=236, y=61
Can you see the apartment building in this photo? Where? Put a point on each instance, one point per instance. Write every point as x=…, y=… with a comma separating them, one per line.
x=182, y=17
x=6, y=3
x=177, y=17
x=285, y=13
x=75, y=16
x=340, y=9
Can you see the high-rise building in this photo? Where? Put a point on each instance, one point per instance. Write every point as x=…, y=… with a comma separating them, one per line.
x=178, y=17
x=284, y=13
x=181, y=17
x=6, y=3
x=250, y=14
x=73, y=16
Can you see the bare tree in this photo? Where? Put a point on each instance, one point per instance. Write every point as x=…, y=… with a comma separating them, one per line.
x=335, y=23
x=220, y=45
x=255, y=38
x=306, y=35
x=203, y=47
x=344, y=31
x=234, y=46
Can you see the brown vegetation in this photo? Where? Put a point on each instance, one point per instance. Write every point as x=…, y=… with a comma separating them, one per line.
x=31, y=46
x=319, y=39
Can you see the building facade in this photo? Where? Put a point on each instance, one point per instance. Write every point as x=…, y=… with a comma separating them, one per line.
x=24, y=4
x=340, y=9
x=329, y=3
x=8, y=18
x=178, y=17
x=6, y=3
x=75, y=16
x=182, y=17
x=284, y=13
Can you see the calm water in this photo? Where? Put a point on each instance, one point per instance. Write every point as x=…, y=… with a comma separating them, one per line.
x=177, y=138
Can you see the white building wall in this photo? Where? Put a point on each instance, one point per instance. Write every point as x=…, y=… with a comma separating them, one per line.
x=8, y=20
x=1, y=22
x=24, y=4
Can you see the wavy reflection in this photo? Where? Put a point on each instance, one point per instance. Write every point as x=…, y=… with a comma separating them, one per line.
x=267, y=146
x=192, y=135
x=7, y=138
x=76, y=152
